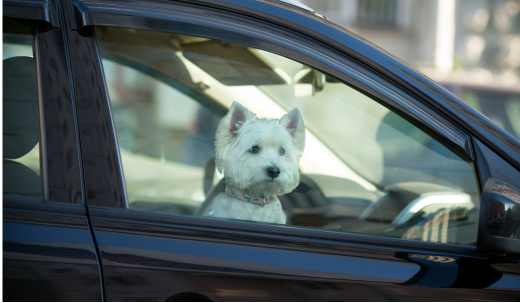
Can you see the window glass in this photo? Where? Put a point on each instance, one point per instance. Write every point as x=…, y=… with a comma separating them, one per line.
x=502, y=107
x=364, y=169
x=21, y=124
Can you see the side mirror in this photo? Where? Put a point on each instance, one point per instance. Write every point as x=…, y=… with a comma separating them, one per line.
x=499, y=221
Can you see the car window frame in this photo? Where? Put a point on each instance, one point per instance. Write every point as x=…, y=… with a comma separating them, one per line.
x=36, y=10
x=59, y=152
x=83, y=43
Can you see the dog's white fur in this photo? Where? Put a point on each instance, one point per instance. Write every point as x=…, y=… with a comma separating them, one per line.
x=237, y=133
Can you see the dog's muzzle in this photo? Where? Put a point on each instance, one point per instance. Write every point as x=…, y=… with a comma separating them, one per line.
x=240, y=195
x=273, y=172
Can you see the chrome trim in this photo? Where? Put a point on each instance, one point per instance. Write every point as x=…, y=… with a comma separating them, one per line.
x=43, y=140
x=297, y=4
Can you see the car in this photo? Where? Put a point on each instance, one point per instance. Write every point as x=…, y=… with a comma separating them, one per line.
x=109, y=116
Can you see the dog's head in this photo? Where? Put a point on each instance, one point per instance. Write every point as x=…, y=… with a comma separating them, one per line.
x=260, y=156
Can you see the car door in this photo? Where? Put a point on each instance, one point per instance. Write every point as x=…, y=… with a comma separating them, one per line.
x=388, y=203
x=48, y=250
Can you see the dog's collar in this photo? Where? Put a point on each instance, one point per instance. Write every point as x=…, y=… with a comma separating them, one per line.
x=240, y=195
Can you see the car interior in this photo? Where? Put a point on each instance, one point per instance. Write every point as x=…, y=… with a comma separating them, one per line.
x=401, y=184
x=21, y=130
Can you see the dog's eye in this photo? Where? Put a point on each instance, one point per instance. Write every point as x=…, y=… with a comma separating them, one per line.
x=254, y=149
x=281, y=151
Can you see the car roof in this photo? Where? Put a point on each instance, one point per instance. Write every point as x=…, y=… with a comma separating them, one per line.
x=382, y=63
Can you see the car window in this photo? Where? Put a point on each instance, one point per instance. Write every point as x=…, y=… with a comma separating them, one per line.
x=21, y=124
x=183, y=142
x=503, y=107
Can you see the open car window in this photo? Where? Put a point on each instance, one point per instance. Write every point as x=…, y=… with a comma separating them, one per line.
x=365, y=169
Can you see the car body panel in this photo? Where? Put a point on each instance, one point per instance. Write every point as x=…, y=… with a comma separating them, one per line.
x=159, y=261
x=104, y=251
x=48, y=253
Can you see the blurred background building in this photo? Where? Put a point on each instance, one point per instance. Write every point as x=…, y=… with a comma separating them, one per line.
x=472, y=47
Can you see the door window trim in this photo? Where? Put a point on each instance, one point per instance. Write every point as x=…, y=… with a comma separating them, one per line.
x=102, y=175
x=105, y=218
x=41, y=113
x=37, y=10
x=63, y=158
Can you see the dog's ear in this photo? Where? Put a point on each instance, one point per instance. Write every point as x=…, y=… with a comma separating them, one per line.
x=228, y=129
x=293, y=122
x=237, y=115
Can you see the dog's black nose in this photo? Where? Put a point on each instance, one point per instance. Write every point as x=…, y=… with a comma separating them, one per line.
x=273, y=171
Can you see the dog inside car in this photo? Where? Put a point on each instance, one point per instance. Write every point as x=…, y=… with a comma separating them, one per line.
x=259, y=158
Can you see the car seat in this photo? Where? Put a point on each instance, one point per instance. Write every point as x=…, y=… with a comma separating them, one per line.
x=21, y=127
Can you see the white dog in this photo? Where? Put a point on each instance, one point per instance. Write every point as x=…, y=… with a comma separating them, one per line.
x=259, y=159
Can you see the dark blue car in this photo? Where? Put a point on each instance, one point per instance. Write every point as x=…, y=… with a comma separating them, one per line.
x=109, y=116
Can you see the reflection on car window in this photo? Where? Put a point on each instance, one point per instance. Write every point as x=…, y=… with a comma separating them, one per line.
x=165, y=139
x=502, y=107
x=364, y=170
x=21, y=123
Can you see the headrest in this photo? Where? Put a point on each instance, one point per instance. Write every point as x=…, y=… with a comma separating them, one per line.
x=20, y=103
